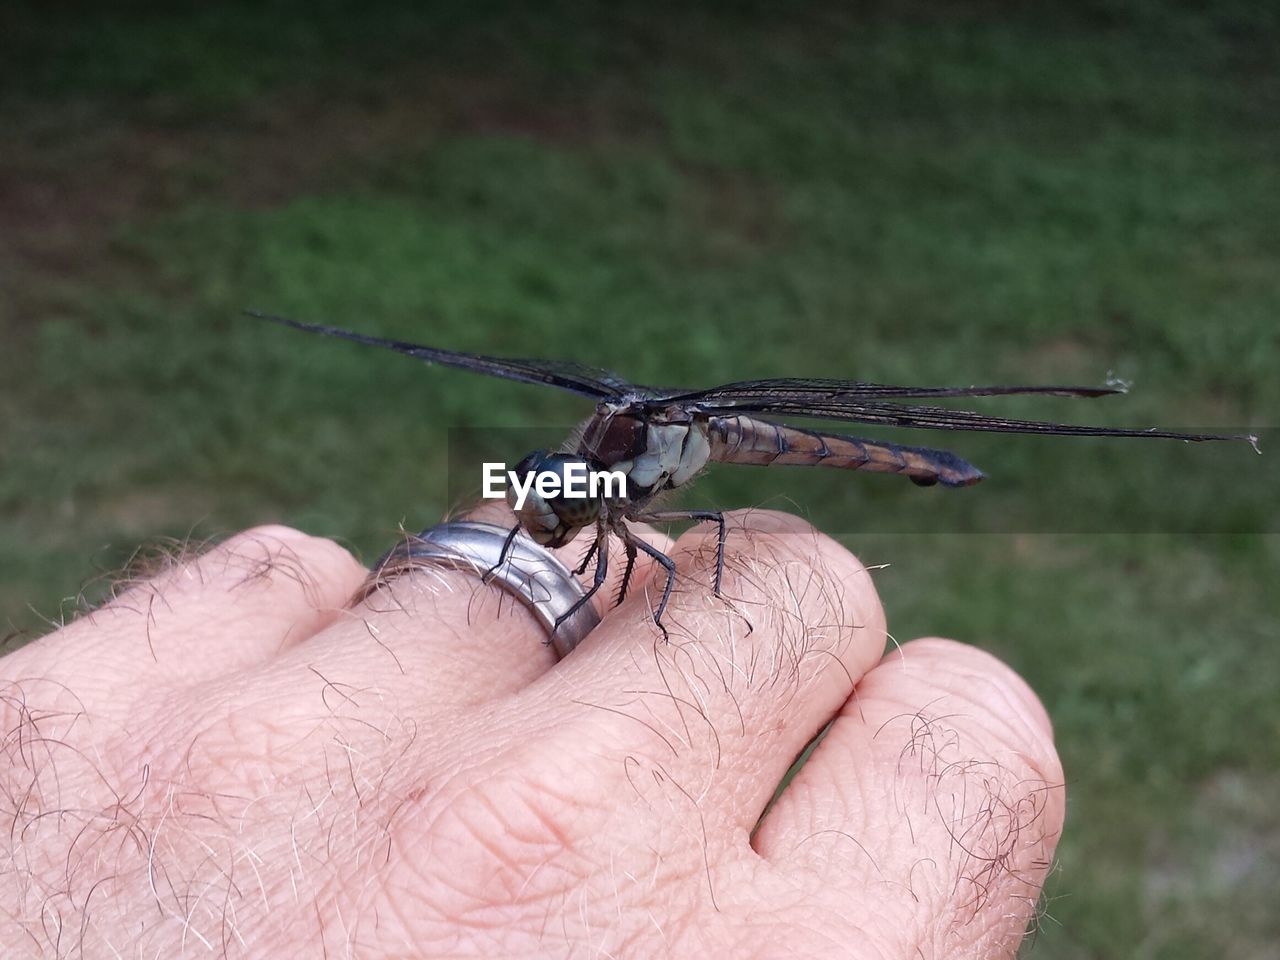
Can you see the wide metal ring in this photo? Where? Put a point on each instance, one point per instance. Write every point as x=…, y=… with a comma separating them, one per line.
x=529, y=572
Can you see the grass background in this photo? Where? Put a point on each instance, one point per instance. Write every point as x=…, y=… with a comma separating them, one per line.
x=914, y=192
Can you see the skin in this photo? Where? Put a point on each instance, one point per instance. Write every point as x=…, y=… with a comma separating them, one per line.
x=229, y=760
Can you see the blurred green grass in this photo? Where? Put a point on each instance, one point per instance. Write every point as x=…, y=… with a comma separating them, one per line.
x=913, y=193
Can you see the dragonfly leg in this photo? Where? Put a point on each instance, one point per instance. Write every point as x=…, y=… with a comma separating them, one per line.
x=601, y=550
x=586, y=561
x=626, y=574
x=636, y=543
x=502, y=554
x=716, y=515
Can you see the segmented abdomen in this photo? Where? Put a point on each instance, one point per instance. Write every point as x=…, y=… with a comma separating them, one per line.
x=748, y=440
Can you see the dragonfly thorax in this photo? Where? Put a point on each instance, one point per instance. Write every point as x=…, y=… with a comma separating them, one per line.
x=655, y=452
x=548, y=514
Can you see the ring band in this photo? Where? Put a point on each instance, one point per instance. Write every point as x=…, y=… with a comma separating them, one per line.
x=529, y=572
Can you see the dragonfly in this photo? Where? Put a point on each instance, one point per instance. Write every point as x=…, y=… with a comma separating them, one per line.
x=660, y=439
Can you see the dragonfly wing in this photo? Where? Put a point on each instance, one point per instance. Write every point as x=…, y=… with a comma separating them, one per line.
x=826, y=391
x=852, y=401
x=577, y=378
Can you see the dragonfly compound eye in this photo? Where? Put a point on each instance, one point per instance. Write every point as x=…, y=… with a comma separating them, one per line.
x=550, y=498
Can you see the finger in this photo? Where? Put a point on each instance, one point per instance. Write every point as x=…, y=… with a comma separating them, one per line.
x=937, y=794
x=452, y=637
x=230, y=609
x=721, y=709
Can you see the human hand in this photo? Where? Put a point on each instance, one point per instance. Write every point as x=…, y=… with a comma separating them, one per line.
x=229, y=760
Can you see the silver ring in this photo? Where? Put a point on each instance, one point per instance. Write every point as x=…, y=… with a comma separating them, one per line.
x=529, y=572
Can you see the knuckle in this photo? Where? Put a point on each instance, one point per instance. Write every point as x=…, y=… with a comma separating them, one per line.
x=801, y=569
x=260, y=553
x=1010, y=713
x=792, y=593
x=280, y=540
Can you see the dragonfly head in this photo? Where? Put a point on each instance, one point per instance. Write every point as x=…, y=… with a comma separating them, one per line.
x=543, y=495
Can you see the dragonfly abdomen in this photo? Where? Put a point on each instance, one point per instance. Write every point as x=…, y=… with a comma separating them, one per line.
x=764, y=443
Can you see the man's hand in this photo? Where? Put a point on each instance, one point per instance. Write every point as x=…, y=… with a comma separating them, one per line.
x=229, y=760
